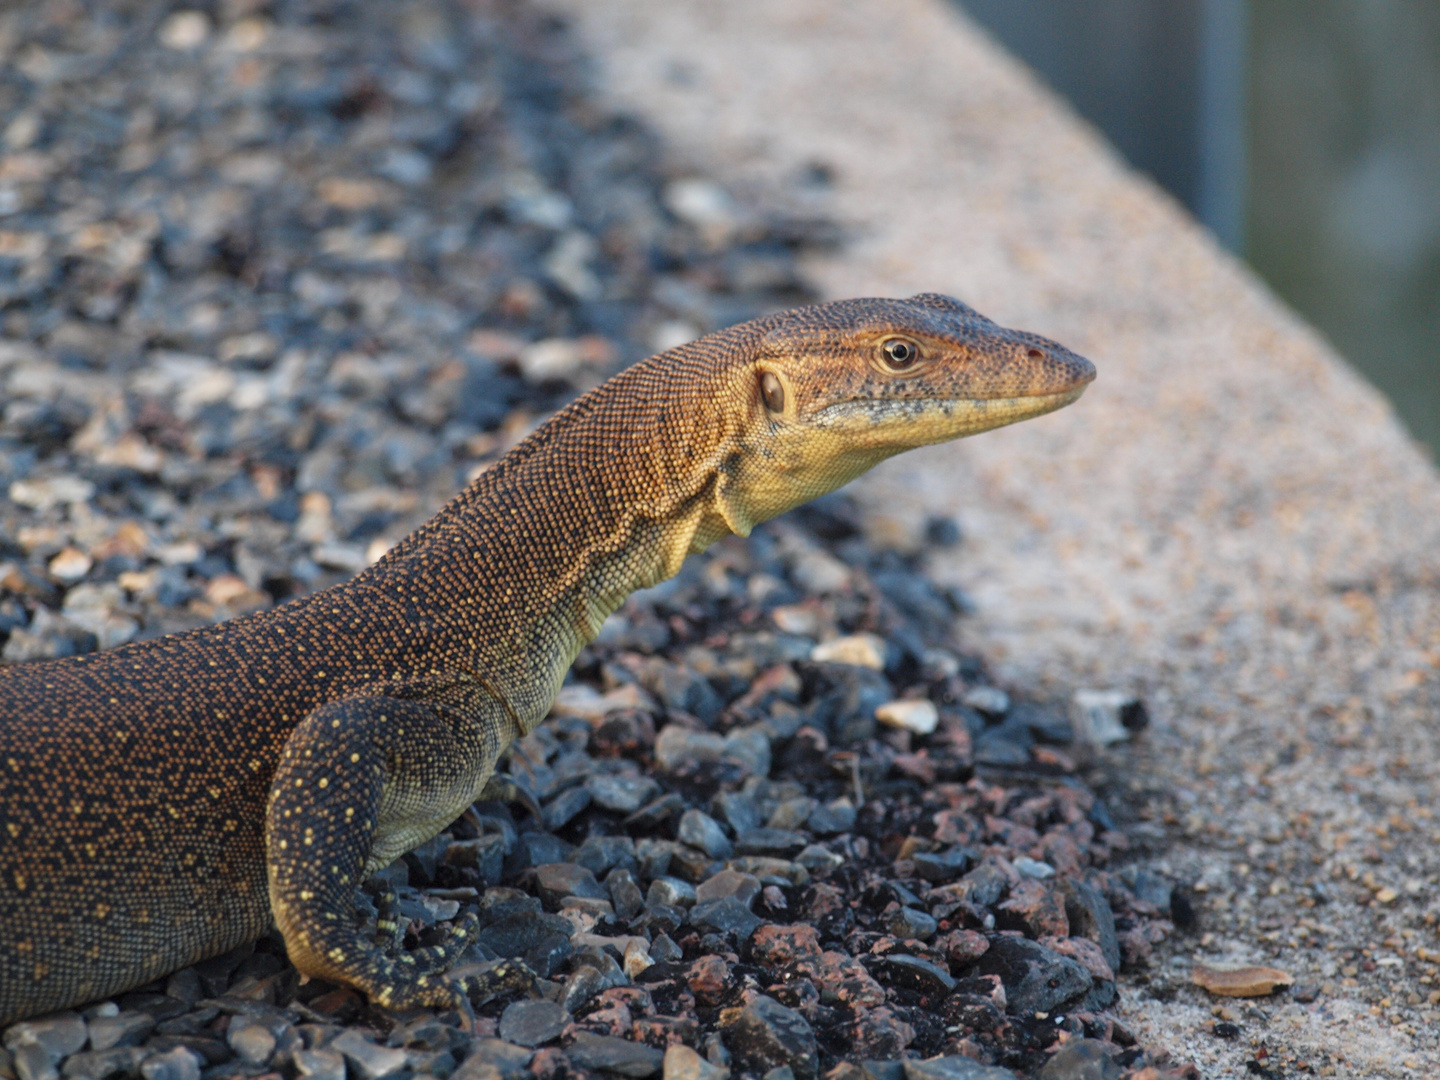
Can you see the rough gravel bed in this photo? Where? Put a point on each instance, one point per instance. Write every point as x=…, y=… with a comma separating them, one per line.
x=276, y=280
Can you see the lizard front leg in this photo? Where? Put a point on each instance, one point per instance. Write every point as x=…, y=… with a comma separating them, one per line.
x=362, y=780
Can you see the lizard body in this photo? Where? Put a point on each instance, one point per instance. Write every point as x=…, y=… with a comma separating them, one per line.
x=169, y=800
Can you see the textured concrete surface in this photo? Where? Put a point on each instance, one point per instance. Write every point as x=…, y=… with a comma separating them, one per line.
x=1230, y=521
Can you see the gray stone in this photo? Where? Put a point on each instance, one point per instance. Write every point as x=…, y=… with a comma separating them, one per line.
x=663, y=949
x=39, y=1044
x=817, y=857
x=941, y=866
x=766, y=1035
x=59, y=1034
x=33, y=1062
x=624, y=1057
x=908, y=923
x=700, y=830
x=564, y=807
x=119, y=1061
x=691, y=864
x=584, y=983
x=751, y=747
x=251, y=1041
x=126, y=1029
x=739, y=811
x=1033, y=868
x=955, y=1068
x=776, y=843
x=599, y=854
x=792, y=813
x=743, y=887
x=624, y=893
x=653, y=815
x=1080, y=1059
x=683, y=1063
x=555, y=881
x=532, y=1022
x=179, y=1063
x=369, y=1061
x=990, y=700
x=678, y=747
x=621, y=794
x=672, y=892
x=726, y=916
x=771, y=871
x=496, y=1059
x=997, y=747
x=984, y=885
x=780, y=1072
x=836, y=816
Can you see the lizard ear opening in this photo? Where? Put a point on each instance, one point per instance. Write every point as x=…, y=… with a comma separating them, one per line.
x=772, y=391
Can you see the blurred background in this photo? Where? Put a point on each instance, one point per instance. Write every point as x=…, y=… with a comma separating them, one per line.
x=1304, y=133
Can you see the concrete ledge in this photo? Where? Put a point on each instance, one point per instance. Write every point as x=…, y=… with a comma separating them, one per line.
x=1231, y=521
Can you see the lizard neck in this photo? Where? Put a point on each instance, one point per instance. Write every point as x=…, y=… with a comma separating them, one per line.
x=519, y=572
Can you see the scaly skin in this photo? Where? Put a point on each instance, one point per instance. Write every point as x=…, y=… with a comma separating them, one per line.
x=166, y=801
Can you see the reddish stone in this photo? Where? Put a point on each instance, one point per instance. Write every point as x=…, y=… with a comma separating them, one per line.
x=824, y=902
x=1085, y=951
x=549, y=1062
x=844, y=977
x=1135, y=947
x=1036, y=909
x=709, y=978
x=909, y=947
x=341, y=1004
x=1012, y=834
x=611, y=1018
x=956, y=826
x=665, y=1031
x=779, y=946
x=1062, y=852
x=962, y=947
x=881, y=1035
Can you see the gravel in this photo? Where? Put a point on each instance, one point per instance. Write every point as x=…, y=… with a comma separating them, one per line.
x=275, y=280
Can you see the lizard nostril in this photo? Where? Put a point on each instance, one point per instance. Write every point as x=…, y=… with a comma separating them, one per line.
x=1035, y=354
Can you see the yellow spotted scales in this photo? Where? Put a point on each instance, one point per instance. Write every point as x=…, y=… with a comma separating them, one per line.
x=169, y=800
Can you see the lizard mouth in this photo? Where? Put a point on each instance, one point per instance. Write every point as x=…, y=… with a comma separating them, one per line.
x=946, y=417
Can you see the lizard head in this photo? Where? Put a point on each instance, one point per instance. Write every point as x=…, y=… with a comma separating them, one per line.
x=836, y=388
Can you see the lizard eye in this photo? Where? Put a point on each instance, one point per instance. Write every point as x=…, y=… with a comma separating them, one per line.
x=899, y=353
x=773, y=391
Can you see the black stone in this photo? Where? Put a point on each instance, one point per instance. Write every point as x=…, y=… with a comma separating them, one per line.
x=532, y=1022
x=1080, y=1059
x=910, y=973
x=1036, y=979
x=623, y=1057
x=767, y=1035
x=726, y=916
x=1090, y=917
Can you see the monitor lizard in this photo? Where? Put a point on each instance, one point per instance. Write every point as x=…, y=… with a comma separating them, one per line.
x=169, y=800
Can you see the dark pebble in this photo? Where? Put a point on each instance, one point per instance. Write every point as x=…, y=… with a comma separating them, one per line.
x=776, y=843
x=623, y=1057
x=941, y=866
x=555, y=881
x=532, y=1023
x=1080, y=1059
x=911, y=973
x=726, y=916
x=955, y=1068
x=1036, y=979
x=766, y=1035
